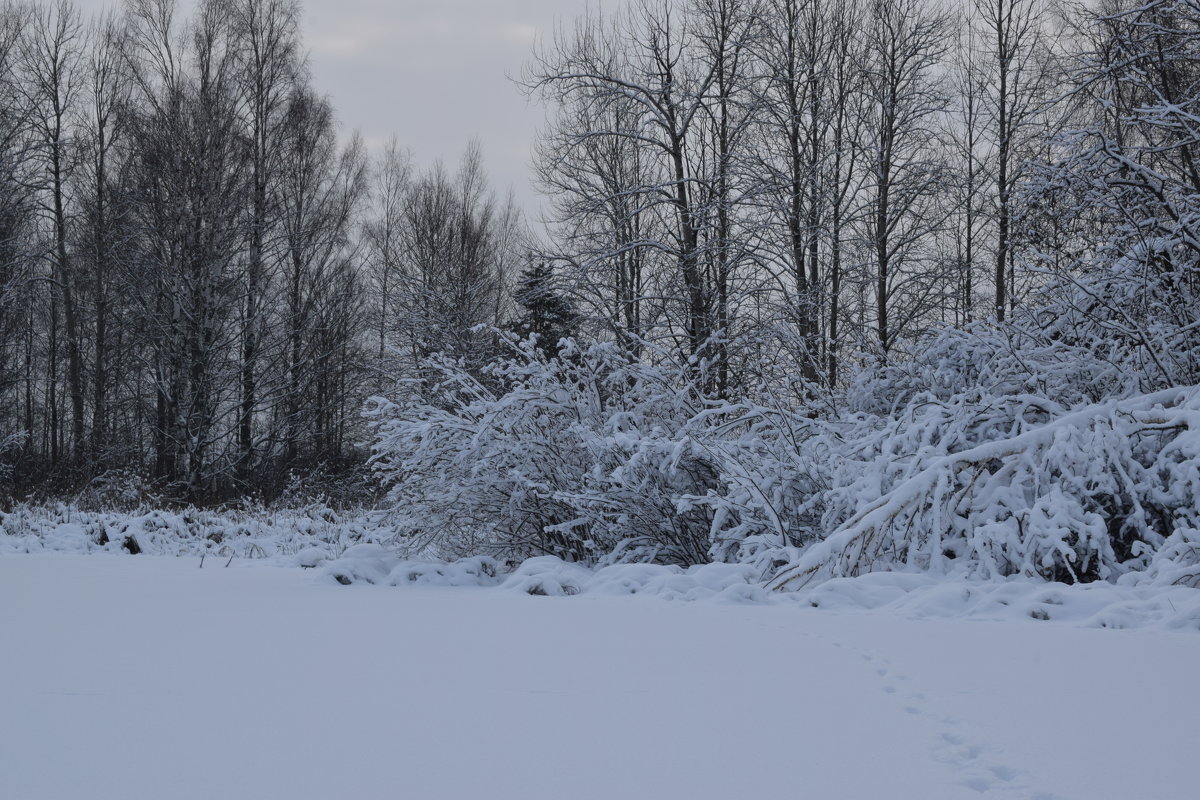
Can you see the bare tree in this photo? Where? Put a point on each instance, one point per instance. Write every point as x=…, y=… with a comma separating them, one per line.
x=51, y=53
x=461, y=250
x=266, y=52
x=905, y=43
x=383, y=241
x=101, y=135
x=599, y=176
x=1011, y=38
x=972, y=159
x=190, y=159
x=809, y=111
x=16, y=235
x=321, y=189
x=651, y=70
x=725, y=31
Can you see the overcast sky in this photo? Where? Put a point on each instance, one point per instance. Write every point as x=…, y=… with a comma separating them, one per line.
x=433, y=72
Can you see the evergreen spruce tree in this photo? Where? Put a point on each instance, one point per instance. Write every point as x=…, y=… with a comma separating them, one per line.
x=548, y=314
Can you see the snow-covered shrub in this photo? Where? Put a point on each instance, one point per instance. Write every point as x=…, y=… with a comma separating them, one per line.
x=1017, y=359
x=9, y=442
x=774, y=467
x=117, y=490
x=327, y=486
x=1010, y=485
x=1177, y=562
x=1132, y=309
x=252, y=533
x=789, y=478
x=994, y=452
x=576, y=455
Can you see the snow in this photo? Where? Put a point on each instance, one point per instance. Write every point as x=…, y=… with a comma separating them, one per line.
x=1129, y=604
x=147, y=677
x=295, y=537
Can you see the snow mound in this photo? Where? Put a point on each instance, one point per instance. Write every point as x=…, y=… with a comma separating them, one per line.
x=1091, y=605
x=912, y=595
x=371, y=563
x=722, y=582
x=553, y=577
x=69, y=538
x=547, y=575
x=311, y=557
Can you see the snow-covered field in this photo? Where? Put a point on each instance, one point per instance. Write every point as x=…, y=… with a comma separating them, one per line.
x=145, y=677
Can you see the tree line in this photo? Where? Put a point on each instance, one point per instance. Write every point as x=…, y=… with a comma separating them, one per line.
x=202, y=282
x=825, y=179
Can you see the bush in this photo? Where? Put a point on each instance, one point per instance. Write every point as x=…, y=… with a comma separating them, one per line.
x=1005, y=486
x=576, y=455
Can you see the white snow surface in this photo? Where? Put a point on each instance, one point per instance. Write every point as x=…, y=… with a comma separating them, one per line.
x=147, y=677
x=910, y=594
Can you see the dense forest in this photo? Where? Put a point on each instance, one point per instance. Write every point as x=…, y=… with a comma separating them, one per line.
x=821, y=286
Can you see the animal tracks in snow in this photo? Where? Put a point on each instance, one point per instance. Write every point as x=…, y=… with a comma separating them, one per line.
x=980, y=767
